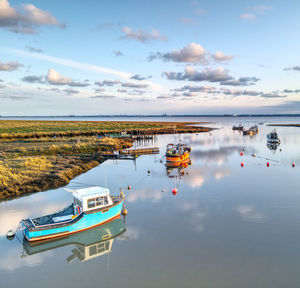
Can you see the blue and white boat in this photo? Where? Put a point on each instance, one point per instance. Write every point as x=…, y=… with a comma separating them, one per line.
x=92, y=207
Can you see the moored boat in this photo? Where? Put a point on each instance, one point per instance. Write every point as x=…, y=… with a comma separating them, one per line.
x=240, y=127
x=176, y=154
x=92, y=207
x=89, y=244
x=273, y=137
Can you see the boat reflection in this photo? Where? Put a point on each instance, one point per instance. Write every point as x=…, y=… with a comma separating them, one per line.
x=89, y=244
x=175, y=171
x=272, y=146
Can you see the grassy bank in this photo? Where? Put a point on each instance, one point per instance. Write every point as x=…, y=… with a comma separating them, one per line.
x=42, y=155
x=17, y=129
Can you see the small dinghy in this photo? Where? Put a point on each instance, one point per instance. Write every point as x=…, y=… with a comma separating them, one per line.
x=273, y=138
x=92, y=207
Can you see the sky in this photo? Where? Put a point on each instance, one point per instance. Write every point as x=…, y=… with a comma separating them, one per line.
x=149, y=57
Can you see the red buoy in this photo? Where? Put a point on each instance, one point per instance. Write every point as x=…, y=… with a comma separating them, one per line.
x=293, y=165
x=242, y=153
x=268, y=164
x=174, y=191
x=242, y=164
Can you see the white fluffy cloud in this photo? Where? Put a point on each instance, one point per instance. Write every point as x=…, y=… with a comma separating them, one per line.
x=26, y=19
x=208, y=74
x=141, y=35
x=220, y=56
x=9, y=66
x=55, y=78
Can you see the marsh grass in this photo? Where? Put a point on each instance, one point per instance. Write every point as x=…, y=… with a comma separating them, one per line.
x=20, y=129
x=41, y=155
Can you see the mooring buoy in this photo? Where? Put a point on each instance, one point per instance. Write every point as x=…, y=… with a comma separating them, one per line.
x=10, y=234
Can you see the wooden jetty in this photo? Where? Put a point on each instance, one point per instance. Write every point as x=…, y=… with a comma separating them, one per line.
x=141, y=151
x=131, y=154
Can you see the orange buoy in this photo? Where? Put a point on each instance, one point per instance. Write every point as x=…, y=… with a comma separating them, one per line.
x=268, y=164
x=242, y=153
x=242, y=164
x=174, y=191
x=293, y=165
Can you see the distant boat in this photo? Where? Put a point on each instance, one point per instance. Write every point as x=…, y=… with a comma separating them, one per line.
x=273, y=137
x=240, y=127
x=92, y=207
x=251, y=131
x=177, y=154
x=89, y=244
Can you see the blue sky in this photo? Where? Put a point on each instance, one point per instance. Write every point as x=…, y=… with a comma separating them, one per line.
x=149, y=57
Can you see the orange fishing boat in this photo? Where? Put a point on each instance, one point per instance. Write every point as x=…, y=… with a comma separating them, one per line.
x=177, y=154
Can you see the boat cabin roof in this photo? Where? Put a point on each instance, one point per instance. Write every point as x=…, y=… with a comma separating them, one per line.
x=91, y=192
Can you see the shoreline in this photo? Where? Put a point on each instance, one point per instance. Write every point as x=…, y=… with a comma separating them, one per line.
x=39, y=160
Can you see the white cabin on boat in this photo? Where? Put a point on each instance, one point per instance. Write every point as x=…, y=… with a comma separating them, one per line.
x=92, y=198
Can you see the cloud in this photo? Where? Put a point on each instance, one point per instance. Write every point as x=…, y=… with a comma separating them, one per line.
x=10, y=66
x=248, y=17
x=204, y=89
x=187, y=21
x=189, y=94
x=15, y=97
x=261, y=9
x=272, y=95
x=164, y=97
x=118, y=53
x=122, y=90
x=33, y=79
x=208, y=74
x=291, y=91
x=87, y=67
x=55, y=78
x=191, y=53
x=136, y=92
x=70, y=91
x=108, y=83
x=139, y=77
x=136, y=99
x=221, y=57
x=26, y=19
x=295, y=68
x=141, y=35
x=240, y=92
x=132, y=85
x=103, y=97
x=242, y=81
x=32, y=49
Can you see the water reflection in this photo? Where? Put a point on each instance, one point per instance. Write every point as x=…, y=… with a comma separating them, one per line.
x=88, y=244
x=272, y=146
x=177, y=171
x=215, y=231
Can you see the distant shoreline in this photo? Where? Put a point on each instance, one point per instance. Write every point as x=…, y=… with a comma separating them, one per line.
x=153, y=116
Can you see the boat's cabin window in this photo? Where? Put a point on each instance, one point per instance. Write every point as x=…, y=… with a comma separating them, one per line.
x=102, y=200
x=99, y=201
x=77, y=202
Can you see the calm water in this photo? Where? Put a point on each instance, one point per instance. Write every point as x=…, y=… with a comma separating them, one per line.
x=227, y=227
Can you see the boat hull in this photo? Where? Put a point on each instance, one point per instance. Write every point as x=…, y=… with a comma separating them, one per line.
x=178, y=159
x=86, y=221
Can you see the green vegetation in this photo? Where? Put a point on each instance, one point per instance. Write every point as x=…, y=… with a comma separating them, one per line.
x=41, y=155
x=19, y=129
